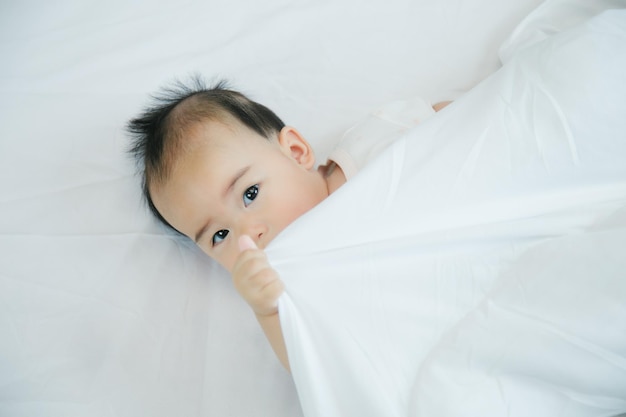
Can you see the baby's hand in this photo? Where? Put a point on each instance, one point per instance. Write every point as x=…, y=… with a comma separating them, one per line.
x=254, y=278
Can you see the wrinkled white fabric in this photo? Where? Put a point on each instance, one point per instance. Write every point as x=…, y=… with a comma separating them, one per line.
x=368, y=138
x=103, y=312
x=476, y=267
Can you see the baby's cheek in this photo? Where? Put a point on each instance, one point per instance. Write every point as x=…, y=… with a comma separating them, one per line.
x=228, y=255
x=218, y=257
x=203, y=249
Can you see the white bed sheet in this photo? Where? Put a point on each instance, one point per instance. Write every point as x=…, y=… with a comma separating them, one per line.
x=476, y=267
x=102, y=311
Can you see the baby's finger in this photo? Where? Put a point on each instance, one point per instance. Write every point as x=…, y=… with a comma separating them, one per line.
x=249, y=260
x=249, y=264
x=245, y=242
x=264, y=302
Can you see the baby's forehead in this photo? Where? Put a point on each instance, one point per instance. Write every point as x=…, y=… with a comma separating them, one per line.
x=221, y=121
x=224, y=130
x=217, y=132
x=193, y=114
x=218, y=137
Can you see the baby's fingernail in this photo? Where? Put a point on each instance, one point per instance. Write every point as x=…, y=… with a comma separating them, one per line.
x=246, y=242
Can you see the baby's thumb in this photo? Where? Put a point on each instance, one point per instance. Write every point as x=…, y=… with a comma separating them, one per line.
x=246, y=242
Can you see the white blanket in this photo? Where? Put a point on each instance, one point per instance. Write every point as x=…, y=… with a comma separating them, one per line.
x=103, y=312
x=477, y=267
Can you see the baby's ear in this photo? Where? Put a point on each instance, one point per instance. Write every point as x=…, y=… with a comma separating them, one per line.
x=293, y=144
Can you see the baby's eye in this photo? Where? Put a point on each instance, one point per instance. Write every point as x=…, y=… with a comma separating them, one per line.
x=219, y=236
x=250, y=194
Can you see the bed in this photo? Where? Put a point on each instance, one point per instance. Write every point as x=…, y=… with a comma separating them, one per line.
x=103, y=312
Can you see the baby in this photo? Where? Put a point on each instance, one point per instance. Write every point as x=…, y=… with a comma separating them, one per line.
x=227, y=173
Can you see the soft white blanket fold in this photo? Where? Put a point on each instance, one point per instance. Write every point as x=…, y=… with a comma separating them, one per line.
x=477, y=266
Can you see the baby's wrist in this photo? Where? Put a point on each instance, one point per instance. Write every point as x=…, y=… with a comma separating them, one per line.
x=266, y=313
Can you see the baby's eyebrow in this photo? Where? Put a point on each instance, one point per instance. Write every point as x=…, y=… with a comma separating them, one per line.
x=236, y=178
x=201, y=232
x=231, y=185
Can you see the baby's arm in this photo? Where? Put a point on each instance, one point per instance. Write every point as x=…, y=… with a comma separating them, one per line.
x=440, y=105
x=259, y=284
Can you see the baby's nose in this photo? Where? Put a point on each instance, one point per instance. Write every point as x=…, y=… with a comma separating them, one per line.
x=256, y=231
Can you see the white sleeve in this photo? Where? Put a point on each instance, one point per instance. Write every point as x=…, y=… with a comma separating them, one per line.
x=368, y=138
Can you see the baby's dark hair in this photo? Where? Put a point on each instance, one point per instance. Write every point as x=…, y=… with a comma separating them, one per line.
x=161, y=131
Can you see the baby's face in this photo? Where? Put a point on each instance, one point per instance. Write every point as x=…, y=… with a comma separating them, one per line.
x=234, y=182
